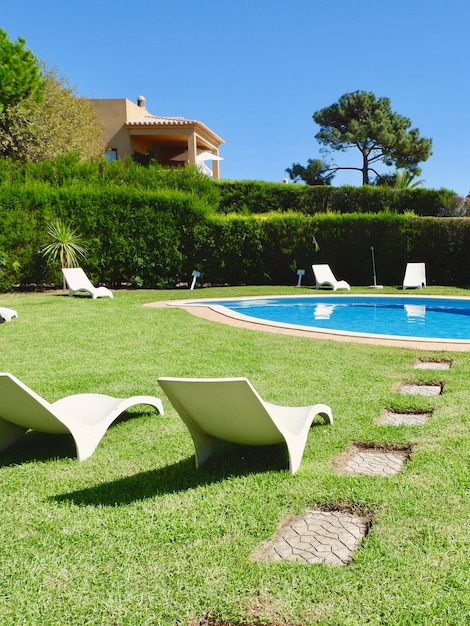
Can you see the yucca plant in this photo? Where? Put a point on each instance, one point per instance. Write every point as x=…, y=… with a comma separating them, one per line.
x=65, y=245
x=406, y=180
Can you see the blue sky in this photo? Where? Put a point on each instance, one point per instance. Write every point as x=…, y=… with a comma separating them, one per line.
x=255, y=71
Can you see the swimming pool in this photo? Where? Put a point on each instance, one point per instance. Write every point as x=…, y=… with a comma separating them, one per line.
x=401, y=317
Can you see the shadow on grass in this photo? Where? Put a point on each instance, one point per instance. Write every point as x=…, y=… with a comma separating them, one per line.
x=38, y=447
x=35, y=446
x=227, y=462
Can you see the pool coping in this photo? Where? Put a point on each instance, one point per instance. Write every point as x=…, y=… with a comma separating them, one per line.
x=222, y=315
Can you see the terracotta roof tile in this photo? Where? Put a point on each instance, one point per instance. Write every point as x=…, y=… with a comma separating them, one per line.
x=156, y=120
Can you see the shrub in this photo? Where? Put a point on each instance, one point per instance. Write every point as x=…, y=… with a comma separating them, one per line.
x=255, y=197
x=150, y=226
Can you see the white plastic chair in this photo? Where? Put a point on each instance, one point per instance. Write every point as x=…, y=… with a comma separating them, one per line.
x=324, y=276
x=77, y=281
x=415, y=276
x=7, y=314
x=230, y=409
x=86, y=416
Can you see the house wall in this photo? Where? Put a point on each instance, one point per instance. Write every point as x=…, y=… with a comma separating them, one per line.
x=115, y=112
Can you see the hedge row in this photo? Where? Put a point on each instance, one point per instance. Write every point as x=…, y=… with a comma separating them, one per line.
x=269, y=249
x=155, y=239
x=247, y=197
x=136, y=236
x=243, y=197
x=71, y=171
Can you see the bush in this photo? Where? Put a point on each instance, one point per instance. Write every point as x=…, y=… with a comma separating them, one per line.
x=138, y=237
x=247, y=197
x=268, y=249
x=255, y=197
x=69, y=171
x=150, y=226
x=133, y=236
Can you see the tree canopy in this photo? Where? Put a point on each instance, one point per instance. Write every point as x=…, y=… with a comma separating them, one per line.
x=20, y=72
x=362, y=121
x=41, y=117
x=316, y=173
x=59, y=124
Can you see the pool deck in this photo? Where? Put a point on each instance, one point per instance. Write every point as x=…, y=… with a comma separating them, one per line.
x=209, y=314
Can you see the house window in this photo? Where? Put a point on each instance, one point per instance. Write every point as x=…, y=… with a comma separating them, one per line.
x=110, y=154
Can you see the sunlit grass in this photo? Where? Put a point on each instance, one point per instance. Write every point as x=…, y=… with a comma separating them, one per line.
x=136, y=535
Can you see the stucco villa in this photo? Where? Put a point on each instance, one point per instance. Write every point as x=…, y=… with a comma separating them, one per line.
x=132, y=131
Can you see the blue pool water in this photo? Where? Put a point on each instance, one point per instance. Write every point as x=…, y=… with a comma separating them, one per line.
x=398, y=316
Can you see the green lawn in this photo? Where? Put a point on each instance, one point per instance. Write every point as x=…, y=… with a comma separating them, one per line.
x=136, y=535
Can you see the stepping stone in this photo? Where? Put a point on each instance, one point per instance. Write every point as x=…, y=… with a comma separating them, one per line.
x=420, y=390
x=375, y=462
x=390, y=418
x=328, y=537
x=432, y=365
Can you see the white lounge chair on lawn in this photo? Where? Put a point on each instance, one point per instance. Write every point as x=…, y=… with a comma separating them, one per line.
x=415, y=276
x=78, y=281
x=86, y=416
x=230, y=409
x=324, y=276
x=7, y=314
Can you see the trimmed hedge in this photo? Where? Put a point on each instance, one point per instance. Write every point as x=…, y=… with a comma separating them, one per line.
x=268, y=249
x=154, y=238
x=247, y=197
x=139, y=237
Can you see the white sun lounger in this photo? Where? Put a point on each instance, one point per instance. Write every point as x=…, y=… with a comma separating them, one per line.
x=7, y=314
x=230, y=409
x=86, y=416
x=415, y=276
x=77, y=281
x=325, y=277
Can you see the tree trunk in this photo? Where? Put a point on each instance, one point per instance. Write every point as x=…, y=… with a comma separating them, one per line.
x=365, y=169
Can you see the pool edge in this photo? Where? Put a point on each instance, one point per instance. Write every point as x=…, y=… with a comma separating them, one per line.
x=209, y=313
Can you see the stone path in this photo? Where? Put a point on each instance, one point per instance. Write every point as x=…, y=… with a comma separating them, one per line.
x=331, y=537
x=328, y=537
x=411, y=389
x=432, y=365
x=374, y=462
x=390, y=418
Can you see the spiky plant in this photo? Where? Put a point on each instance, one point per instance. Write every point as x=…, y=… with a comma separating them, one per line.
x=406, y=180
x=65, y=245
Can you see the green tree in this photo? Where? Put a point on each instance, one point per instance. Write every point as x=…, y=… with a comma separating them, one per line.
x=316, y=173
x=59, y=124
x=360, y=120
x=20, y=73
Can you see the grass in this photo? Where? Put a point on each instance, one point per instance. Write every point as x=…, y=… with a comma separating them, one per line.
x=136, y=536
